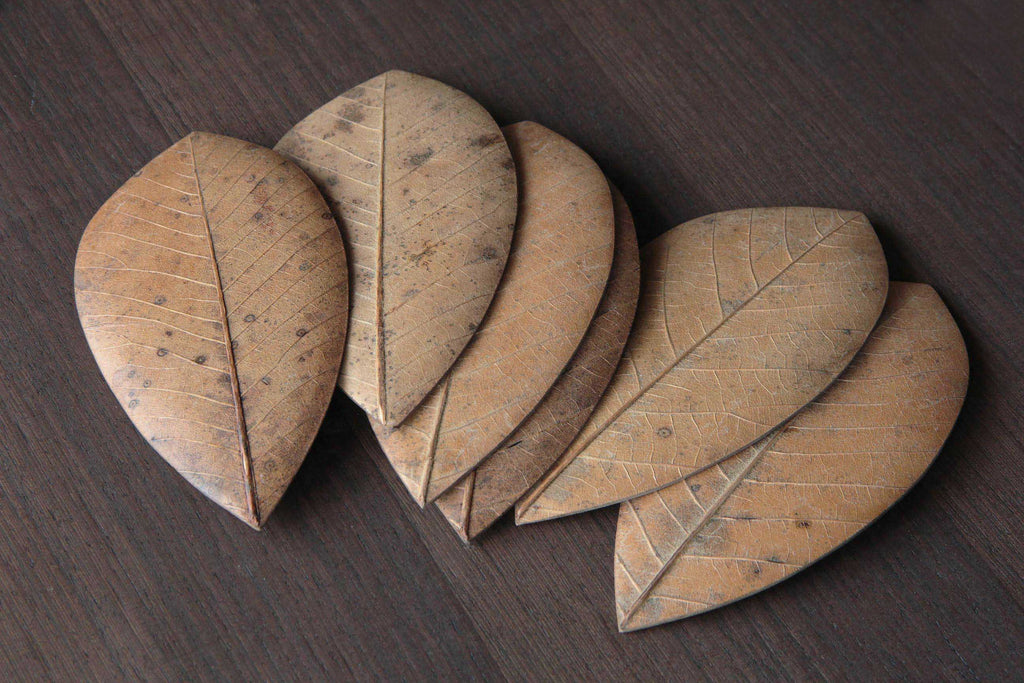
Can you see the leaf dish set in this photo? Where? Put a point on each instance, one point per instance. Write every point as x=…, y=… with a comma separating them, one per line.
x=749, y=387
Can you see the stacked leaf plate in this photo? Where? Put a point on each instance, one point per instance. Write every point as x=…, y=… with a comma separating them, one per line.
x=749, y=387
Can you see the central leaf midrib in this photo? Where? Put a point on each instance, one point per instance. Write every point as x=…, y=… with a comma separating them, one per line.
x=701, y=524
x=248, y=479
x=382, y=392
x=435, y=435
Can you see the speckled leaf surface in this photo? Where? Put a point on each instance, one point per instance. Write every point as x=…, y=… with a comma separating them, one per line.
x=808, y=487
x=493, y=487
x=423, y=186
x=557, y=269
x=212, y=289
x=744, y=317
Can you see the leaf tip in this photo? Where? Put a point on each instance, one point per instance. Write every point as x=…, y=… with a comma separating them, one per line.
x=401, y=72
x=455, y=518
x=625, y=620
x=431, y=493
x=200, y=135
x=252, y=521
x=527, y=515
x=390, y=419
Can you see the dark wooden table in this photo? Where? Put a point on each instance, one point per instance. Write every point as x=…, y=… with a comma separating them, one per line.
x=112, y=566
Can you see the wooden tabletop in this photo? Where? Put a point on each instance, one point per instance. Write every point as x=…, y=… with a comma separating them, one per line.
x=112, y=566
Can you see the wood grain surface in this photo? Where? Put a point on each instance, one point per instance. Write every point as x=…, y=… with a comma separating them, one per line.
x=114, y=567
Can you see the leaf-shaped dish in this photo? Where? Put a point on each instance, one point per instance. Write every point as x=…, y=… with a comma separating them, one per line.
x=213, y=292
x=484, y=494
x=744, y=317
x=557, y=269
x=808, y=487
x=423, y=186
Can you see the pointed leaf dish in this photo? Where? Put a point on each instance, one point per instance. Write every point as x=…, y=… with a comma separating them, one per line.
x=557, y=269
x=744, y=317
x=424, y=189
x=493, y=487
x=213, y=292
x=807, y=488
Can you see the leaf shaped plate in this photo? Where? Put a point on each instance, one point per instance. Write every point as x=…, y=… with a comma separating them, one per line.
x=744, y=317
x=808, y=487
x=557, y=269
x=423, y=186
x=483, y=495
x=213, y=292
